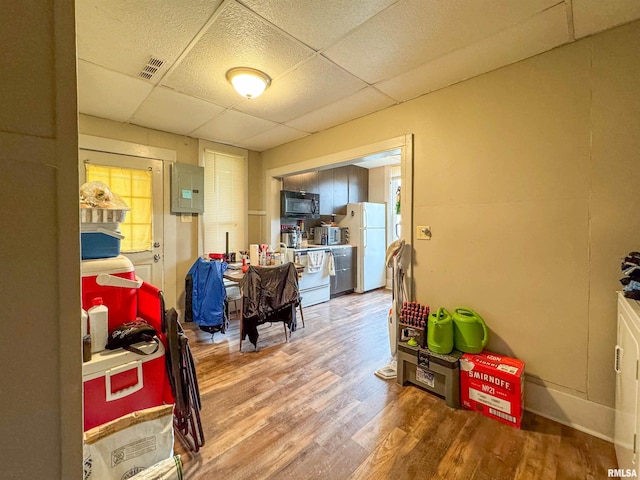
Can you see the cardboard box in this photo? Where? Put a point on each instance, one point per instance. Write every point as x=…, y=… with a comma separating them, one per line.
x=493, y=385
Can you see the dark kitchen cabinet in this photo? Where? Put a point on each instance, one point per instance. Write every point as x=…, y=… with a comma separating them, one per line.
x=340, y=190
x=358, y=184
x=303, y=182
x=325, y=189
x=336, y=186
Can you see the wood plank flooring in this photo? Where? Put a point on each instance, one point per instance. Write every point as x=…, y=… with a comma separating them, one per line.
x=313, y=409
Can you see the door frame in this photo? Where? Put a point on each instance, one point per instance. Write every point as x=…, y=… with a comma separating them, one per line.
x=404, y=143
x=109, y=145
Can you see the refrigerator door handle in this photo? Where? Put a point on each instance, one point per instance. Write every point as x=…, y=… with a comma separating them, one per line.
x=364, y=238
x=364, y=217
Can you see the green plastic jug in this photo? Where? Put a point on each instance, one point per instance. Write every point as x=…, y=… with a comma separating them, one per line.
x=470, y=333
x=440, y=332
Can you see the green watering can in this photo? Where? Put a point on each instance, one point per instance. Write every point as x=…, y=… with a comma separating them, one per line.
x=440, y=332
x=470, y=333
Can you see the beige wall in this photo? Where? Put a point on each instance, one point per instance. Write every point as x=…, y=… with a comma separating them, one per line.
x=521, y=174
x=187, y=151
x=40, y=354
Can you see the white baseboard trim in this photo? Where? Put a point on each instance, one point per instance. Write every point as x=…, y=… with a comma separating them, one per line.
x=583, y=415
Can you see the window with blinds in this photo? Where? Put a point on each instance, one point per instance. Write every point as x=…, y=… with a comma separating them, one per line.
x=134, y=187
x=225, y=202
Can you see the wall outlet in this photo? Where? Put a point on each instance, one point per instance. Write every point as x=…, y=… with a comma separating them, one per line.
x=423, y=232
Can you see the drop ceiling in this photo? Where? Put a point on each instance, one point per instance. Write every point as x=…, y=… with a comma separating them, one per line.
x=161, y=64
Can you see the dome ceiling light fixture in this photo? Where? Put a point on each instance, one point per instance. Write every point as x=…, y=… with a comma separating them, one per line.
x=248, y=82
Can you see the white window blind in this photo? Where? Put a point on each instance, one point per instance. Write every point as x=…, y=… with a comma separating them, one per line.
x=225, y=202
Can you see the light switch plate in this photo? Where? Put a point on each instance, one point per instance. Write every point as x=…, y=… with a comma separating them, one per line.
x=423, y=232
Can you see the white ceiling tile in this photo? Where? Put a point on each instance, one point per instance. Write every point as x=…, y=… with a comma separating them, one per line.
x=412, y=32
x=541, y=33
x=174, y=112
x=592, y=16
x=122, y=34
x=363, y=102
x=232, y=127
x=317, y=23
x=107, y=94
x=312, y=85
x=276, y=136
x=237, y=38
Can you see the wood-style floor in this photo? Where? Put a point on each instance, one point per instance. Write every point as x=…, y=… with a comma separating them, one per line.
x=313, y=409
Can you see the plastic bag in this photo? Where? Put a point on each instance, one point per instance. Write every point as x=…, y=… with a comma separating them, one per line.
x=97, y=194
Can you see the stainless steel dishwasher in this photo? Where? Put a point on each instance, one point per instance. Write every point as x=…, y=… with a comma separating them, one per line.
x=344, y=281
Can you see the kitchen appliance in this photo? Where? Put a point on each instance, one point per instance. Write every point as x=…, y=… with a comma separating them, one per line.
x=314, y=285
x=299, y=204
x=327, y=235
x=366, y=222
x=470, y=333
x=440, y=332
x=289, y=238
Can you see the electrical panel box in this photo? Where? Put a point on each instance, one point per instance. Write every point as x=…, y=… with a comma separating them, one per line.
x=187, y=188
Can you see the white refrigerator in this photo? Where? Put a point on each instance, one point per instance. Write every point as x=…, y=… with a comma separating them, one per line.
x=367, y=224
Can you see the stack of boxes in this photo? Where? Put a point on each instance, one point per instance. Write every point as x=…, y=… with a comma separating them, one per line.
x=117, y=382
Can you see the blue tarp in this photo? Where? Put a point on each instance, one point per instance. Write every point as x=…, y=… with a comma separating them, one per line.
x=208, y=295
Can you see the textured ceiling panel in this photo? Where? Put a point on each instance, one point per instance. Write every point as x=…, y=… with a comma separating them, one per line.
x=317, y=23
x=167, y=110
x=541, y=33
x=107, y=94
x=312, y=85
x=122, y=34
x=232, y=127
x=236, y=39
x=276, y=136
x=412, y=32
x=592, y=16
x=367, y=100
x=404, y=48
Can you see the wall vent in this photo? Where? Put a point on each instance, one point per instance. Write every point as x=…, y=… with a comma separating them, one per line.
x=151, y=68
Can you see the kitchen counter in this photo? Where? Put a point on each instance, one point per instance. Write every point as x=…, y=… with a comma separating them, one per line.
x=318, y=247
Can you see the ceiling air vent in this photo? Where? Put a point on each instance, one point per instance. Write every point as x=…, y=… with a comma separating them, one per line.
x=151, y=68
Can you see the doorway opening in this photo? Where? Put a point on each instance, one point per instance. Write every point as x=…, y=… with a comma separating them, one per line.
x=401, y=169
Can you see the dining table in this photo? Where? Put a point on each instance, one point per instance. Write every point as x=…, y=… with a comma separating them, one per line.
x=235, y=274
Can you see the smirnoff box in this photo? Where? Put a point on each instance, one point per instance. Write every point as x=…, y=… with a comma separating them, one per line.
x=493, y=385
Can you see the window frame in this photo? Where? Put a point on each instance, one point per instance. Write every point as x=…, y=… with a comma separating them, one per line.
x=203, y=147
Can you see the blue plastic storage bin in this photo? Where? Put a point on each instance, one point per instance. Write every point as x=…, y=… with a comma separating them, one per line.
x=100, y=244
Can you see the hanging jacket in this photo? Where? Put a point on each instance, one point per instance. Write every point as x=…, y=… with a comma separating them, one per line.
x=269, y=295
x=208, y=294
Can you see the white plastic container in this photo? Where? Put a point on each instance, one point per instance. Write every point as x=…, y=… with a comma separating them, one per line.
x=98, y=325
x=84, y=319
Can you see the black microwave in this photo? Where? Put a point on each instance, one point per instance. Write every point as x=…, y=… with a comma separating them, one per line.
x=299, y=204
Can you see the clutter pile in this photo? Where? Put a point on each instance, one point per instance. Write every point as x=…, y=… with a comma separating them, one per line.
x=631, y=269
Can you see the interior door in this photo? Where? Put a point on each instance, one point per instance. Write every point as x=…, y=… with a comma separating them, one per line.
x=139, y=182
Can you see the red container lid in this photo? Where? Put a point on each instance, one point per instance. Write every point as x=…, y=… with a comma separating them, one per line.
x=216, y=256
